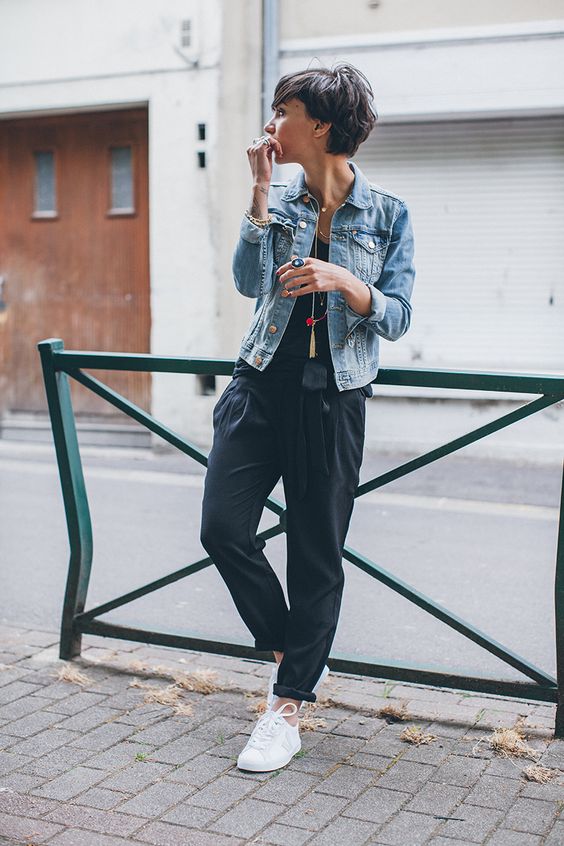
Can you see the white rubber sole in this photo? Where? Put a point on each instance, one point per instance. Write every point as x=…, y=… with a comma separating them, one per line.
x=261, y=768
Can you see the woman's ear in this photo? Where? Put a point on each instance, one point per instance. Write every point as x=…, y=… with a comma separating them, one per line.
x=321, y=128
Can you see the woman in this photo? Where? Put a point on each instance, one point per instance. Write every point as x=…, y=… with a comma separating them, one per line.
x=329, y=259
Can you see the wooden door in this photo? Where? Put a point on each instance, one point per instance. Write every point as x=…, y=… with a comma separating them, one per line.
x=74, y=250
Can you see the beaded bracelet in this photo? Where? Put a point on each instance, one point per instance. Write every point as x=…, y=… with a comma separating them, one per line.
x=257, y=220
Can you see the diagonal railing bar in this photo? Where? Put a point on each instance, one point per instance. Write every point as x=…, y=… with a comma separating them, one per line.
x=452, y=620
x=137, y=413
x=162, y=582
x=456, y=444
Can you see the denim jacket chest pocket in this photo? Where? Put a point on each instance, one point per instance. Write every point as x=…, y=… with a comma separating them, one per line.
x=368, y=251
x=283, y=234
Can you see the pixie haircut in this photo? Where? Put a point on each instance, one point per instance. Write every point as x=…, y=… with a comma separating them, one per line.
x=341, y=96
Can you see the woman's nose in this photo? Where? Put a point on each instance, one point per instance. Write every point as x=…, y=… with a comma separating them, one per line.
x=268, y=127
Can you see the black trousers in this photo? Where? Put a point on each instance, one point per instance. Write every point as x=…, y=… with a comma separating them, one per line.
x=264, y=431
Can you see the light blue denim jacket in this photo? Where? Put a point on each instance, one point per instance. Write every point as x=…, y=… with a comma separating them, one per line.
x=371, y=236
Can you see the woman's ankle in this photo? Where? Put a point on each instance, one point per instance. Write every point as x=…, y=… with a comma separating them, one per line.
x=293, y=719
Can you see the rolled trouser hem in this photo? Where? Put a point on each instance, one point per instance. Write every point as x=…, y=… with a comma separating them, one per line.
x=263, y=646
x=293, y=693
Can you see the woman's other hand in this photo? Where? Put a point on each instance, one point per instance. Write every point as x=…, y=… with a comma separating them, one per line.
x=318, y=275
x=315, y=275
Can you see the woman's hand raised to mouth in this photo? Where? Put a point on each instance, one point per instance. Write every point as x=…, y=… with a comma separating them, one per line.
x=260, y=159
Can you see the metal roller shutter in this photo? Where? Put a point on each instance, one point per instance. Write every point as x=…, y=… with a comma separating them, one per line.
x=487, y=202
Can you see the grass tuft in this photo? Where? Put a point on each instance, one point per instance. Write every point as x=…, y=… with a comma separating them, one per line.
x=198, y=681
x=70, y=674
x=393, y=713
x=414, y=734
x=542, y=775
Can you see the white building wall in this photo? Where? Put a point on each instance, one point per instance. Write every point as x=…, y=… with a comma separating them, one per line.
x=68, y=55
x=323, y=18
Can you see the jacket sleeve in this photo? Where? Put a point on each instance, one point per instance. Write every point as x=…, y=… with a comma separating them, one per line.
x=253, y=259
x=390, y=312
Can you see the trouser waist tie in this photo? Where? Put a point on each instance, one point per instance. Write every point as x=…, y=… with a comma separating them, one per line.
x=310, y=452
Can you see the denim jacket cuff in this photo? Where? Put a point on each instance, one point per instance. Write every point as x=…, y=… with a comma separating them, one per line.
x=377, y=310
x=251, y=232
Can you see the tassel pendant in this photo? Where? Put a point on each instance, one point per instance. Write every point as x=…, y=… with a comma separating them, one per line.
x=312, y=342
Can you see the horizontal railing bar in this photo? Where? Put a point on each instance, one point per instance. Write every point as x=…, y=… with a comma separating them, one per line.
x=470, y=380
x=414, y=377
x=452, y=620
x=456, y=444
x=141, y=362
x=169, y=579
x=354, y=666
x=438, y=678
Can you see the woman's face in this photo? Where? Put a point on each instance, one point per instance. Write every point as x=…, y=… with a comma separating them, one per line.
x=292, y=127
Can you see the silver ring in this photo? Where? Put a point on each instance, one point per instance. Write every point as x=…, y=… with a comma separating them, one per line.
x=298, y=262
x=266, y=141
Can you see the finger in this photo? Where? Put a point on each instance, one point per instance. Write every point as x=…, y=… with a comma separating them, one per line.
x=286, y=266
x=258, y=145
x=302, y=273
x=300, y=291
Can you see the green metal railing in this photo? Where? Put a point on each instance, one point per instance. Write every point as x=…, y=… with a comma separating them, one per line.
x=58, y=364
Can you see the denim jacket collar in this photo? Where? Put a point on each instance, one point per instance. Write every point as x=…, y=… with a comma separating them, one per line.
x=360, y=195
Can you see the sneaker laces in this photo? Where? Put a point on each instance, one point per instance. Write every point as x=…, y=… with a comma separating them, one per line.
x=268, y=726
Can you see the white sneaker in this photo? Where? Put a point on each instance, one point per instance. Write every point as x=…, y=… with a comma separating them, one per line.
x=273, y=742
x=274, y=676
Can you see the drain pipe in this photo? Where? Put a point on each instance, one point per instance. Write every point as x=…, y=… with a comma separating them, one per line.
x=270, y=49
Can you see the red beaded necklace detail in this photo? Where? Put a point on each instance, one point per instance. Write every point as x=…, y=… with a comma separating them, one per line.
x=311, y=321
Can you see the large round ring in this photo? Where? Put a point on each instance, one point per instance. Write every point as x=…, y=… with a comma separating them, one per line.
x=298, y=262
x=266, y=141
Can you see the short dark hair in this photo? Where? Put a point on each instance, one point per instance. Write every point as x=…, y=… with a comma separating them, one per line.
x=340, y=95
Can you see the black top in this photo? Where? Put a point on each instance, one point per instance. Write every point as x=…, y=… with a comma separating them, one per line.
x=293, y=349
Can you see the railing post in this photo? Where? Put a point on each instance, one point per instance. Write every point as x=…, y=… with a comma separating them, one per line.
x=559, y=618
x=79, y=526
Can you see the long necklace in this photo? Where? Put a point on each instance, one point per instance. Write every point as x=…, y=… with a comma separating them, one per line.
x=311, y=321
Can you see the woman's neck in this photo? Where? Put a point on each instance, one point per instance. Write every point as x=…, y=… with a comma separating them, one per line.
x=329, y=181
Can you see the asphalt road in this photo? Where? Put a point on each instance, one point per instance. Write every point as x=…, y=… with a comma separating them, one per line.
x=476, y=535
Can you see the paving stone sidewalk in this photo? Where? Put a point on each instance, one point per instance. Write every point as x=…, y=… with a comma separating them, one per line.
x=94, y=764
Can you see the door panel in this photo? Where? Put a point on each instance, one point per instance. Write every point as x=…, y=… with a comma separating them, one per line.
x=79, y=270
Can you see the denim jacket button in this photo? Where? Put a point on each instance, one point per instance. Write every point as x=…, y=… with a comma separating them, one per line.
x=258, y=360
x=302, y=224
x=272, y=329
x=371, y=244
